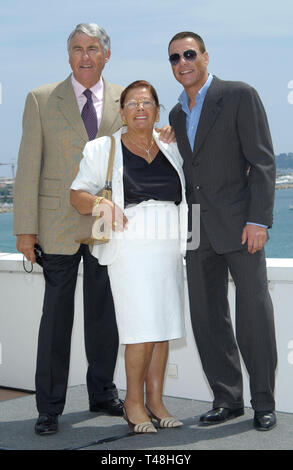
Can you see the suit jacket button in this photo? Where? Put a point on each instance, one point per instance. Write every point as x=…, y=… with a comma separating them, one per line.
x=197, y=187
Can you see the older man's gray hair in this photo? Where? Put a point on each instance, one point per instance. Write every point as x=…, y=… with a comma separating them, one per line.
x=93, y=30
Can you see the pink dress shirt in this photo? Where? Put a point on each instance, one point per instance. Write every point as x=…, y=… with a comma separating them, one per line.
x=97, y=95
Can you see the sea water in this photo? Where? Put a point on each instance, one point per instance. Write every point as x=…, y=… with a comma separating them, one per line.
x=280, y=244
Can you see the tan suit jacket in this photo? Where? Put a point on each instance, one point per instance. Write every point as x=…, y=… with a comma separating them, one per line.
x=50, y=151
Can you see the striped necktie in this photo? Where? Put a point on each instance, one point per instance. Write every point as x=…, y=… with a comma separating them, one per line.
x=89, y=116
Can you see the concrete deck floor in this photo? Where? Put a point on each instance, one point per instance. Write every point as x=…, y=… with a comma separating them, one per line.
x=79, y=429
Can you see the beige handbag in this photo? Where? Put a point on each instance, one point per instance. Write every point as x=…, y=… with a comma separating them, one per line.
x=91, y=230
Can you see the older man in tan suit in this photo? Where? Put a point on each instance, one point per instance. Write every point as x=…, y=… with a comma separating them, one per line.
x=54, y=135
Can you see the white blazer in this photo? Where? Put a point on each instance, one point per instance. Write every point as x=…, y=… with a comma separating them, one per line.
x=92, y=176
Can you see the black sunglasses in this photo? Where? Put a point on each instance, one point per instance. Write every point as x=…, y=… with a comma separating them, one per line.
x=189, y=55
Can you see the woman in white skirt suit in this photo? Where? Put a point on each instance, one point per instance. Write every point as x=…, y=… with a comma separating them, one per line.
x=148, y=218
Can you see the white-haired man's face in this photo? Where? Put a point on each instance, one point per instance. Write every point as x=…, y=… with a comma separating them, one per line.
x=87, y=59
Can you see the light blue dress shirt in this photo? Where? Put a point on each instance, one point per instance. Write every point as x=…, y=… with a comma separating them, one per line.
x=193, y=116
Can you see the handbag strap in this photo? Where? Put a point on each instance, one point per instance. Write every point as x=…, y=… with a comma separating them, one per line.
x=108, y=184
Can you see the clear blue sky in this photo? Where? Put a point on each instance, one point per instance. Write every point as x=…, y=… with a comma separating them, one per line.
x=250, y=41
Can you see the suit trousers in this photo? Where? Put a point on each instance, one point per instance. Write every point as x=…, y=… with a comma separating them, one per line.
x=207, y=274
x=100, y=330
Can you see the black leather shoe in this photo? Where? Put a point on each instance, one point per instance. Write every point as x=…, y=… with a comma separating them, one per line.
x=46, y=424
x=220, y=415
x=264, y=420
x=112, y=407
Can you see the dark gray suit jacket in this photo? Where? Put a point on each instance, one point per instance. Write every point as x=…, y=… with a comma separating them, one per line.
x=231, y=170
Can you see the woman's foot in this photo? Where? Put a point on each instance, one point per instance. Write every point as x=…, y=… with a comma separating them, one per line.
x=166, y=421
x=141, y=427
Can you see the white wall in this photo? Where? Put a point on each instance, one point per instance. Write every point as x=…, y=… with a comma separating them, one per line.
x=21, y=305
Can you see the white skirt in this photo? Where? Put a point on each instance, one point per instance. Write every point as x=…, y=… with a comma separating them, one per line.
x=147, y=275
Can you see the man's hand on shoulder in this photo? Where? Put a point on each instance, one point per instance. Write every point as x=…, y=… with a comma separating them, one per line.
x=255, y=236
x=25, y=244
x=167, y=134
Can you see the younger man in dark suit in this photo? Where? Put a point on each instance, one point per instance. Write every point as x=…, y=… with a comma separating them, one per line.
x=223, y=136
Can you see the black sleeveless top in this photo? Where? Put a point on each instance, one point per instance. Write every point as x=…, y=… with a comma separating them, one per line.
x=157, y=180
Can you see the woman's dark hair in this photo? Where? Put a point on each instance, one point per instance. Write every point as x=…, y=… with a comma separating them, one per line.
x=139, y=84
x=189, y=34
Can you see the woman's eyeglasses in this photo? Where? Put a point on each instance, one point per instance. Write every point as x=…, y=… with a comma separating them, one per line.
x=145, y=103
x=190, y=55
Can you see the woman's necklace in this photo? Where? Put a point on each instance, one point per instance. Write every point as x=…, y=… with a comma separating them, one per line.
x=149, y=157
